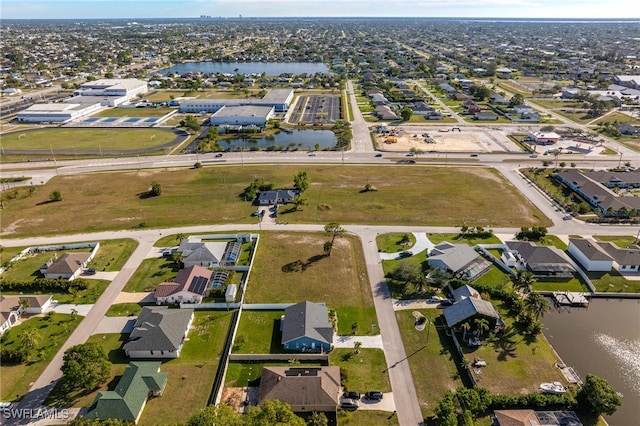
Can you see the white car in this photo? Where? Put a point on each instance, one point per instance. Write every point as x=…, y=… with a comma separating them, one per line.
x=435, y=299
x=311, y=154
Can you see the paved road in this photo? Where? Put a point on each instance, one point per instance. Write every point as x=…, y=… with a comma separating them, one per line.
x=43, y=385
x=361, y=135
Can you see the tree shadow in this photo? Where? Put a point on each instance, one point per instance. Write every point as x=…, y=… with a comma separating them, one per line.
x=300, y=266
x=144, y=195
x=43, y=203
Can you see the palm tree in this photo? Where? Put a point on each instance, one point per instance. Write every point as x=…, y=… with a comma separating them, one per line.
x=356, y=347
x=180, y=237
x=334, y=229
x=74, y=314
x=30, y=338
x=523, y=281
x=536, y=304
x=482, y=325
x=465, y=329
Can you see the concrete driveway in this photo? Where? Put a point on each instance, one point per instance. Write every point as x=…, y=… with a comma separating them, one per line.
x=367, y=341
x=422, y=243
x=386, y=404
x=66, y=308
x=400, y=305
x=115, y=325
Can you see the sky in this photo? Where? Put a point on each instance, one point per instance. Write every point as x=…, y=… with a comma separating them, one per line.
x=77, y=9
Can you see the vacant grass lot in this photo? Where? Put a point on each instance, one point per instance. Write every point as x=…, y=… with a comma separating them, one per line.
x=457, y=239
x=365, y=371
x=431, y=356
x=52, y=331
x=152, y=272
x=113, y=254
x=259, y=333
x=366, y=418
x=124, y=310
x=291, y=267
x=86, y=139
x=391, y=243
x=446, y=196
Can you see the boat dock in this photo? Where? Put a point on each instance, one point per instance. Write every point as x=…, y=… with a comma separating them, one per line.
x=570, y=298
x=570, y=374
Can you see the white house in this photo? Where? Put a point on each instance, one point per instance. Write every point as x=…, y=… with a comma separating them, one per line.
x=11, y=308
x=69, y=266
x=590, y=255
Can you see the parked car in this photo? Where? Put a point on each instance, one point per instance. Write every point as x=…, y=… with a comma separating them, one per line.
x=473, y=155
x=404, y=254
x=218, y=155
x=349, y=404
x=351, y=395
x=446, y=302
x=378, y=155
x=311, y=154
x=373, y=396
x=435, y=299
x=410, y=154
x=90, y=271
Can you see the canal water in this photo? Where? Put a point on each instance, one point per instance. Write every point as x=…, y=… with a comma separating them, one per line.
x=269, y=68
x=604, y=340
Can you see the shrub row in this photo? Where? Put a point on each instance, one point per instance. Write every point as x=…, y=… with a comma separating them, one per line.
x=42, y=284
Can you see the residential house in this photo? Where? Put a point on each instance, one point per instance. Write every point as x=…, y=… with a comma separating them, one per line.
x=627, y=129
x=207, y=254
x=159, y=332
x=384, y=112
x=535, y=418
x=304, y=389
x=139, y=381
x=523, y=109
x=590, y=255
x=469, y=308
x=189, y=286
x=305, y=327
x=460, y=260
x=280, y=196
x=542, y=261
x=12, y=308
x=69, y=266
x=485, y=116
x=498, y=99
x=625, y=260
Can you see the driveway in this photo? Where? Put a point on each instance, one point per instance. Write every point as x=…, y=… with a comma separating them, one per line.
x=386, y=404
x=139, y=297
x=102, y=275
x=422, y=243
x=65, y=308
x=367, y=341
x=400, y=305
x=115, y=325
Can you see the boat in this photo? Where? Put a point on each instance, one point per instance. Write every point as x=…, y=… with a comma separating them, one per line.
x=555, y=388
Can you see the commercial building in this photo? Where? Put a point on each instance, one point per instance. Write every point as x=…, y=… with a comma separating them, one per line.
x=242, y=115
x=279, y=99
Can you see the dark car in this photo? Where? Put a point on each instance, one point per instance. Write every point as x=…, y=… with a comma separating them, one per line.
x=378, y=154
x=90, y=271
x=446, y=302
x=404, y=254
x=351, y=395
x=218, y=155
x=373, y=395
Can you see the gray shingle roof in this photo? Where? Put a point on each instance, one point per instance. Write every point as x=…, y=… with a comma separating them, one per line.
x=159, y=328
x=622, y=256
x=541, y=258
x=454, y=256
x=466, y=308
x=307, y=319
x=590, y=249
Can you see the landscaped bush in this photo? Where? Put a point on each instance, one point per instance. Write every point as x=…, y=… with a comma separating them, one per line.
x=43, y=284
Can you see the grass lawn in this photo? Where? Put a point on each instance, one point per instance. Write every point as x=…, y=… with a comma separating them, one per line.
x=364, y=371
x=152, y=272
x=552, y=240
x=433, y=362
x=86, y=139
x=259, y=333
x=494, y=276
x=613, y=282
x=116, y=201
x=113, y=254
x=515, y=365
x=112, y=344
x=291, y=267
x=124, y=310
x=457, y=239
x=620, y=241
x=574, y=284
x=391, y=243
x=191, y=375
x=617, y=117
x=53, y=330
x=8, y=253
x=398, y=291
x=135, y=112
x=28, y=268
x=366, y=418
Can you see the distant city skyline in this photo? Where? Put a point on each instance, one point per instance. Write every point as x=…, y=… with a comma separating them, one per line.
x=86, y=9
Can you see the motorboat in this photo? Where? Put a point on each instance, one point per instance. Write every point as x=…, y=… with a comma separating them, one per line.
x=555, y=388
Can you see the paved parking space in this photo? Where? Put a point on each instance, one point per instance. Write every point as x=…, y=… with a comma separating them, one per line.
x=82, y=310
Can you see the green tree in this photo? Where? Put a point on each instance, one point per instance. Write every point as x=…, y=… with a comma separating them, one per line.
x=333, y=229
x=298, y=201
x=356, y=347
x=482, y=325
x=318, y=419
x=272, y=413
x=55, y=195
x=516, y=99
x=480, y=93
x=220, y=414
x=30, y=338
x=597, y=396
x=86, y=366
x=301, y=182
x=190, y=123
x=406, y=113
x=536, y=304
x=156, y=189
x=523, y=281
x=326, y=248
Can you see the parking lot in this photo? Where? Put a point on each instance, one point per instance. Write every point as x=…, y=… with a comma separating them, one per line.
x=316, y=109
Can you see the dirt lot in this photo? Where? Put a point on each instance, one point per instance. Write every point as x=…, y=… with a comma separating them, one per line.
x=445, y=139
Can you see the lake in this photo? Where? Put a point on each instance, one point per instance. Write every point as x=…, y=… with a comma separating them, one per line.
x=269, y=68
x=305, y=139
x=604, y=340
